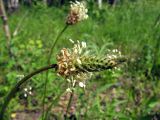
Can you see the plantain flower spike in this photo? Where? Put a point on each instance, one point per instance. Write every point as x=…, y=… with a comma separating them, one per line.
x=78, y=12
x=75, y=65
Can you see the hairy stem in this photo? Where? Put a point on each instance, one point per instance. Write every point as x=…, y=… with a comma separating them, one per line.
x=48, y=61
x=16, y=88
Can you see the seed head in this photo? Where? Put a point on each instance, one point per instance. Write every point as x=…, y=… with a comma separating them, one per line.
x=78, y=12
x=67, y=59
x=75, y=66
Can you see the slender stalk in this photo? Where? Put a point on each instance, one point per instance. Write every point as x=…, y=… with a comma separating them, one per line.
x=48, y=61
x=20, y=23
x=55, y=42
x=6, y=27
x=70, y=101
x=16, y=88
x=157, y=22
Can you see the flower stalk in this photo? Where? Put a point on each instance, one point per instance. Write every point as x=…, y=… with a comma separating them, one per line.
x=55, y=42
x=87, y=64
x=48, y=62
x=77, y=13
x=69, y=102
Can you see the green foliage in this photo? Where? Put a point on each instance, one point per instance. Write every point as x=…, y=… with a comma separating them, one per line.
x=128, y=94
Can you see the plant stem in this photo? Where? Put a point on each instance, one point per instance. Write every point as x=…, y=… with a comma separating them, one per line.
x=20, y=23
x=55, y=42
x=48, y=61
x=6, y=27
x=16, y=88
x=70, y=101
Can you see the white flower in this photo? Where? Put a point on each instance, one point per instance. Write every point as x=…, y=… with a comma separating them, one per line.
x=68, y=90
x=25, y=89
x=30, y=93
x=81, y=84
x=78, y=12
x=19, y=77
x=67, y=59
x=30, y=88
x=84, y=44
x=25, y=95
x=74, y=82
x=115, y=50
x=68, y=80
x=79, y=61
x=80, y=9
x=71, y=41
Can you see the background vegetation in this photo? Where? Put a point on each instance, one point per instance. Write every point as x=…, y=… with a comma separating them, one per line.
x=131, y=93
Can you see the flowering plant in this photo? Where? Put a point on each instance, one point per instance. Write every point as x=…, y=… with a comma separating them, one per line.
x=78, y=12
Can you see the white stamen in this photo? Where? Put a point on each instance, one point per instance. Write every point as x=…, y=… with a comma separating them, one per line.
x=68, y=80
x=71, y=41
x=25, y=95
x=25, y=89
x=30, y=93
x=68, y=90
x=81, y=84
x=84, y=44
x=79, y=61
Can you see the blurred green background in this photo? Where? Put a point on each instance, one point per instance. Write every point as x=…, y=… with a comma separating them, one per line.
x=129, y=93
